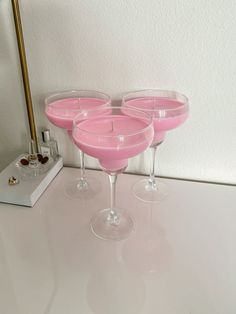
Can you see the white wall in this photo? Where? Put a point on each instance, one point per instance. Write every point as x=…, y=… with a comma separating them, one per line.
x=120, y=46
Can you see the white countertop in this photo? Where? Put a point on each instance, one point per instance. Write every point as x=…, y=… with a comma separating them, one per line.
x=182, y=261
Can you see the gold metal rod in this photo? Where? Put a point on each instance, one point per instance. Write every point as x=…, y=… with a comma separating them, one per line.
x=24, y=69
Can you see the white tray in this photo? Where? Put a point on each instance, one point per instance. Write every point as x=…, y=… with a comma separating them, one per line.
x=28, y=190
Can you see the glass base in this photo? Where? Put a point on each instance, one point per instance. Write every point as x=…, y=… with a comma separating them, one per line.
x=109, y=227
x=149, y=191
x=82, y=188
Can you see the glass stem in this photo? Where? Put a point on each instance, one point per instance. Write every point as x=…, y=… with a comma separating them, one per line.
x=82, y=166
x=153, y=164
x=113, y=218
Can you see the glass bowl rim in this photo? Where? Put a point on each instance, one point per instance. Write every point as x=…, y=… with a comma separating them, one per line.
x=183, y=98
x=146, y=116
x=75, y=91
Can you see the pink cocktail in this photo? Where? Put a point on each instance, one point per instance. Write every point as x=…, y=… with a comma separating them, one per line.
x=169, y=110
x=167, y=114
x=113, y=137
x=61, y=109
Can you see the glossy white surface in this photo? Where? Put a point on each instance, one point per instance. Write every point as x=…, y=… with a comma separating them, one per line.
x=182, y=261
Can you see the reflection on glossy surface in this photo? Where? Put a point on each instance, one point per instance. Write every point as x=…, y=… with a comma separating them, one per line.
x=148, y=251
x=8, y=303
x=110, y=286
x=115, y=290
x=179, y=260
x=29, y=261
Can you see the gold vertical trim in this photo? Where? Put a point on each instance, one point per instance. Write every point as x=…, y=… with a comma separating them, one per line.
x=24, y=69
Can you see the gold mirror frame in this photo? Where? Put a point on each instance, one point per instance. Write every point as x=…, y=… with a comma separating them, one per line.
x=24, y=68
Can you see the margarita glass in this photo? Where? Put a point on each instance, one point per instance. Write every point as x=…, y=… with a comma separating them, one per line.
x=61, y=109
x=169, y=110
x=113, y=135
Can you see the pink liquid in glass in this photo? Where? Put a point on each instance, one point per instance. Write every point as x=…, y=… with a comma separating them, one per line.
x=62, y=112
x=113, y=139
x=167, y=113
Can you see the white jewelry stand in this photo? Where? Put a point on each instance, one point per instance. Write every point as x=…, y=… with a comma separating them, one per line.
x=28, y=190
